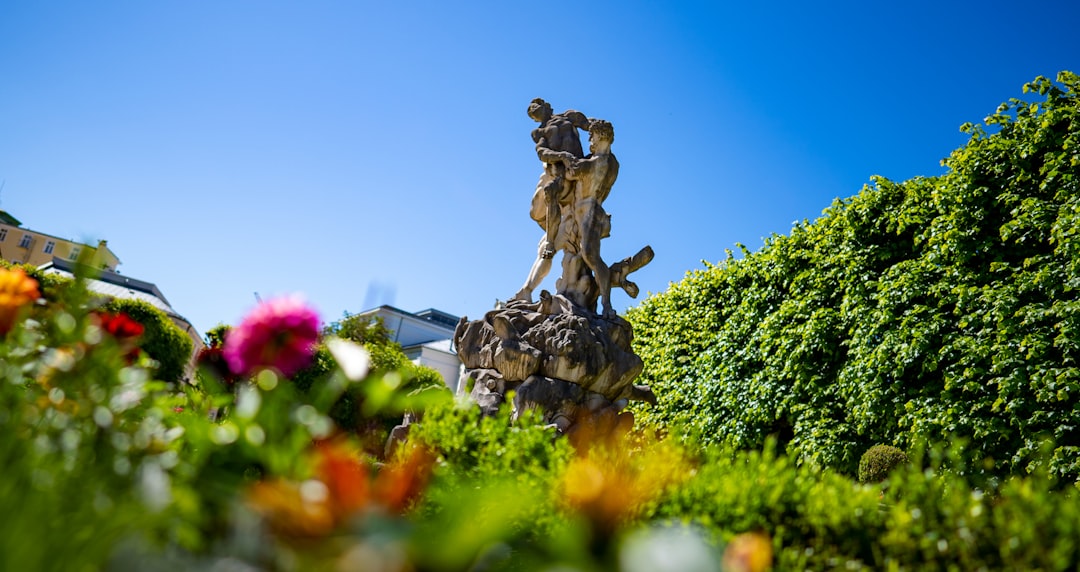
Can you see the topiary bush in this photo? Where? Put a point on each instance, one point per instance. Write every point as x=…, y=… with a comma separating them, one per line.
x=878, y=461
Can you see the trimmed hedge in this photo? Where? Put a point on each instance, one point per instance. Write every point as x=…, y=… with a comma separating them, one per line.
x=162, y=340
x=916, y=311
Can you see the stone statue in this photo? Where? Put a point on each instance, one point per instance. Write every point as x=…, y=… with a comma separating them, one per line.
x=594, y=176
x=558, y=354
x=557, y=145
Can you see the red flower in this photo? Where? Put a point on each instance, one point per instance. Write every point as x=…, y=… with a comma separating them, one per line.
x=123, y=329
x=212, y=359
x=120, y=326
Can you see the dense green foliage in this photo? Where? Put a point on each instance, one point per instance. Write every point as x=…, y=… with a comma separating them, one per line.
x=937, y=307
x=162, y=340
x=387, y=357
x=50, y=283
x=930, y=518
x=878, y=461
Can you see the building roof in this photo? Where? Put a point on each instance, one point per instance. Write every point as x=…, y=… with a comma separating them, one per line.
x=6, y=218
x=115, y=285
x=411, y=329
x=439, y=317
x=445, y=346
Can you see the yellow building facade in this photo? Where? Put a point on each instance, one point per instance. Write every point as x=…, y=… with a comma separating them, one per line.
x=24, y=246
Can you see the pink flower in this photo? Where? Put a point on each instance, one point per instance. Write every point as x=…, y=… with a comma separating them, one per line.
x=279, y=333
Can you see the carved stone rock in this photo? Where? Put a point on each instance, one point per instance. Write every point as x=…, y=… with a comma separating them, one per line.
x=566, y=361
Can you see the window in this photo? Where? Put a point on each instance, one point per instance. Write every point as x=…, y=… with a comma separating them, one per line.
x=74, y=253
x=25, y=242
x=3, y=234
x=49, y=246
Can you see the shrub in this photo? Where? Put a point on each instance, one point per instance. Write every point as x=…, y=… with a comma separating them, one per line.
x=387, y=358
x=162, y=340
x=910, y=312
x=878, y=461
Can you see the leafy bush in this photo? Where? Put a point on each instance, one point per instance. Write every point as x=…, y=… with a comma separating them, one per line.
x=937, y=307
x=878, y=461
x=388, y=361
x=930, y=518
x=49, y=282
x=162, y=340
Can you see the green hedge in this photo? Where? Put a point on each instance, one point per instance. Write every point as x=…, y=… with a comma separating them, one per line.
x=937, y=307
x=162, y=340
x=930, y=517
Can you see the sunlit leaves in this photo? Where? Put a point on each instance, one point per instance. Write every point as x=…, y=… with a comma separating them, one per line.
x=919, y=310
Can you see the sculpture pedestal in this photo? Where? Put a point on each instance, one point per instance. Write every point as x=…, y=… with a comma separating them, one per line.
x=576, y=367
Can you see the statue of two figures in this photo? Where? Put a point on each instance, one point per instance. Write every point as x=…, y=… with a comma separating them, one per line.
x=568, y=206
x=559, y=355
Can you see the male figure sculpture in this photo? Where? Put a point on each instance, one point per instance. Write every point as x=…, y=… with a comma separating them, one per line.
x=557, y=145
x=595, y=176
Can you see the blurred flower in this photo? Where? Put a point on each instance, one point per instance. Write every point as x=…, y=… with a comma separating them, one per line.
x=123, y=329
x=339, y=467
x=212, y=359
x=609, y=484
x=16, y=291
x=352, y=358
x=748, y=552
x=291, y=509
x=119, y=325
x=279, y=333
x=402, y=480
x=342, y=487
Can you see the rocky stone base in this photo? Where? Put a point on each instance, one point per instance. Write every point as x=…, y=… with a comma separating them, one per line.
x=576, y=367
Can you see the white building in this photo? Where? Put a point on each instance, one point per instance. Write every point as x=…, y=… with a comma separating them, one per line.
x=426, y=337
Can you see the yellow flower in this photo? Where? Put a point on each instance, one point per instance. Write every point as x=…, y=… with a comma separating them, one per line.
x=609, y=484
x=16, y=290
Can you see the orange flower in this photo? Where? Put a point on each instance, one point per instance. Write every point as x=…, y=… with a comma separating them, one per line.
x=341, y=488
x=346, y=478
x=748, y=552
x=401, y=481
x=293, y=510
x=16, y=290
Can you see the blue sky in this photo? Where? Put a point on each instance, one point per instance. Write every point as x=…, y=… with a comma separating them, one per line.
x=364, y=153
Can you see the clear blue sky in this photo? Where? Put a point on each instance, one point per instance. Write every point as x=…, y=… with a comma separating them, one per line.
x=365, y=153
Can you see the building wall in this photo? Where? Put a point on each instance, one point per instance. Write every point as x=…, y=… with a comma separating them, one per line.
x=409, y=330
x=24, y=246
x=447, y=364
x=424, y=341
